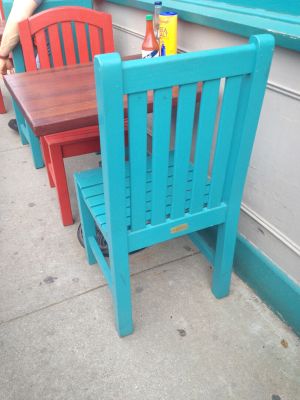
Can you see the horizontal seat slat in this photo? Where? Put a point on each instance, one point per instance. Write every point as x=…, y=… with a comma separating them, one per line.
x=91, y=183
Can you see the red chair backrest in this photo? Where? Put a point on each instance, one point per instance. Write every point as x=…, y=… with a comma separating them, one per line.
x=65, y=36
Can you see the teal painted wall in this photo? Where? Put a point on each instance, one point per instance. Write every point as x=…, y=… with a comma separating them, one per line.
x=243, y=21
x=291, y=7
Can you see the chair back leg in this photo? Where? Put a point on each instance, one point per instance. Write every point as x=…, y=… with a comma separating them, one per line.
x=119, y=263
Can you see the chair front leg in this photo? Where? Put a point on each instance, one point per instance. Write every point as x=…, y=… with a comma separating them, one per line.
x=119, y=263
x=47, y=159
x=21, y=123
x=223, y=261
x=60, y=179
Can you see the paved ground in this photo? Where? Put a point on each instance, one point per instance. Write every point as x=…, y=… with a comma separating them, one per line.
x=57, y=336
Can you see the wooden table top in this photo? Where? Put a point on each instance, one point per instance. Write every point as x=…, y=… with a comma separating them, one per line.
x=56, y=100
x=59, y=99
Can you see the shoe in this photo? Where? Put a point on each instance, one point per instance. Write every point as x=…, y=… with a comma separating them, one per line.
x=12, y=123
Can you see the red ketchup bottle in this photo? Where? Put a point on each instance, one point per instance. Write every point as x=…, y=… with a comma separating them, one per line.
x=150, y=46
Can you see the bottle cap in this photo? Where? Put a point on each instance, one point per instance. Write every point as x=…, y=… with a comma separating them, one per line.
x=149, y=17
x=157, y=3
x=168, y=13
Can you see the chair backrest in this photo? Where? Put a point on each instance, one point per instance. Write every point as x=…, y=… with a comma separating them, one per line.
x=18, y=59
x=64, y=36
x=244, y=70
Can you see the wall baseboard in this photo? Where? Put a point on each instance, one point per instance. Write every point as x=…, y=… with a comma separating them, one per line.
x=269, y=282
x=266, y=279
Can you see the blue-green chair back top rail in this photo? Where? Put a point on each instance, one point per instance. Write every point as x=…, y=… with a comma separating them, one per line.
x=291, y=7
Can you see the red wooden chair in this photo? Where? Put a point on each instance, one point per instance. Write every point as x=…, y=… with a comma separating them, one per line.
x=65, y=36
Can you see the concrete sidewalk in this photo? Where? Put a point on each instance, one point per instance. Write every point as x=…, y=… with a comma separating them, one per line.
x=57, y=334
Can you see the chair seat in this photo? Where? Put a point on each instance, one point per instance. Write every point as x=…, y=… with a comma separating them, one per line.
x=91, y=185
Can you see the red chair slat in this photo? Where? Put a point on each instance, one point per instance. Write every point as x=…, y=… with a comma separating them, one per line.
x=55, y=46
x=82, y=42
x=95, y=40
x=42, y=50
x=67, y=33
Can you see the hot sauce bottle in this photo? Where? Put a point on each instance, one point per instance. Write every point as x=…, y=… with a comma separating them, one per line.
x=150, y=46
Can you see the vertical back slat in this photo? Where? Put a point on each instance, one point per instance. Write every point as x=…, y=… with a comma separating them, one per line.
x=206, y=125
x=94, y=40
x=225, y=132
x=82, y=42
x=183, y=140
x=55, y=46
x=162, y=110
x=137, y=123
x=42, y=49
x=67, y=33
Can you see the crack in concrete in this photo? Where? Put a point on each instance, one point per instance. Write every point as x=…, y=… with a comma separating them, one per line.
x=3, y=323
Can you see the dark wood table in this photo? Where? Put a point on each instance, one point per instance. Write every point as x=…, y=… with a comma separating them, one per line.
x=55, y=100
x=60, y=99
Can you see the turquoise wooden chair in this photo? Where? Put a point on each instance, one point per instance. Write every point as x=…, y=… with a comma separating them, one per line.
x=146, y=199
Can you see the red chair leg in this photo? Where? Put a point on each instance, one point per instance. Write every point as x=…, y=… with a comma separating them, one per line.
x=2, y=105
x=47, y=160
x=60, y=179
